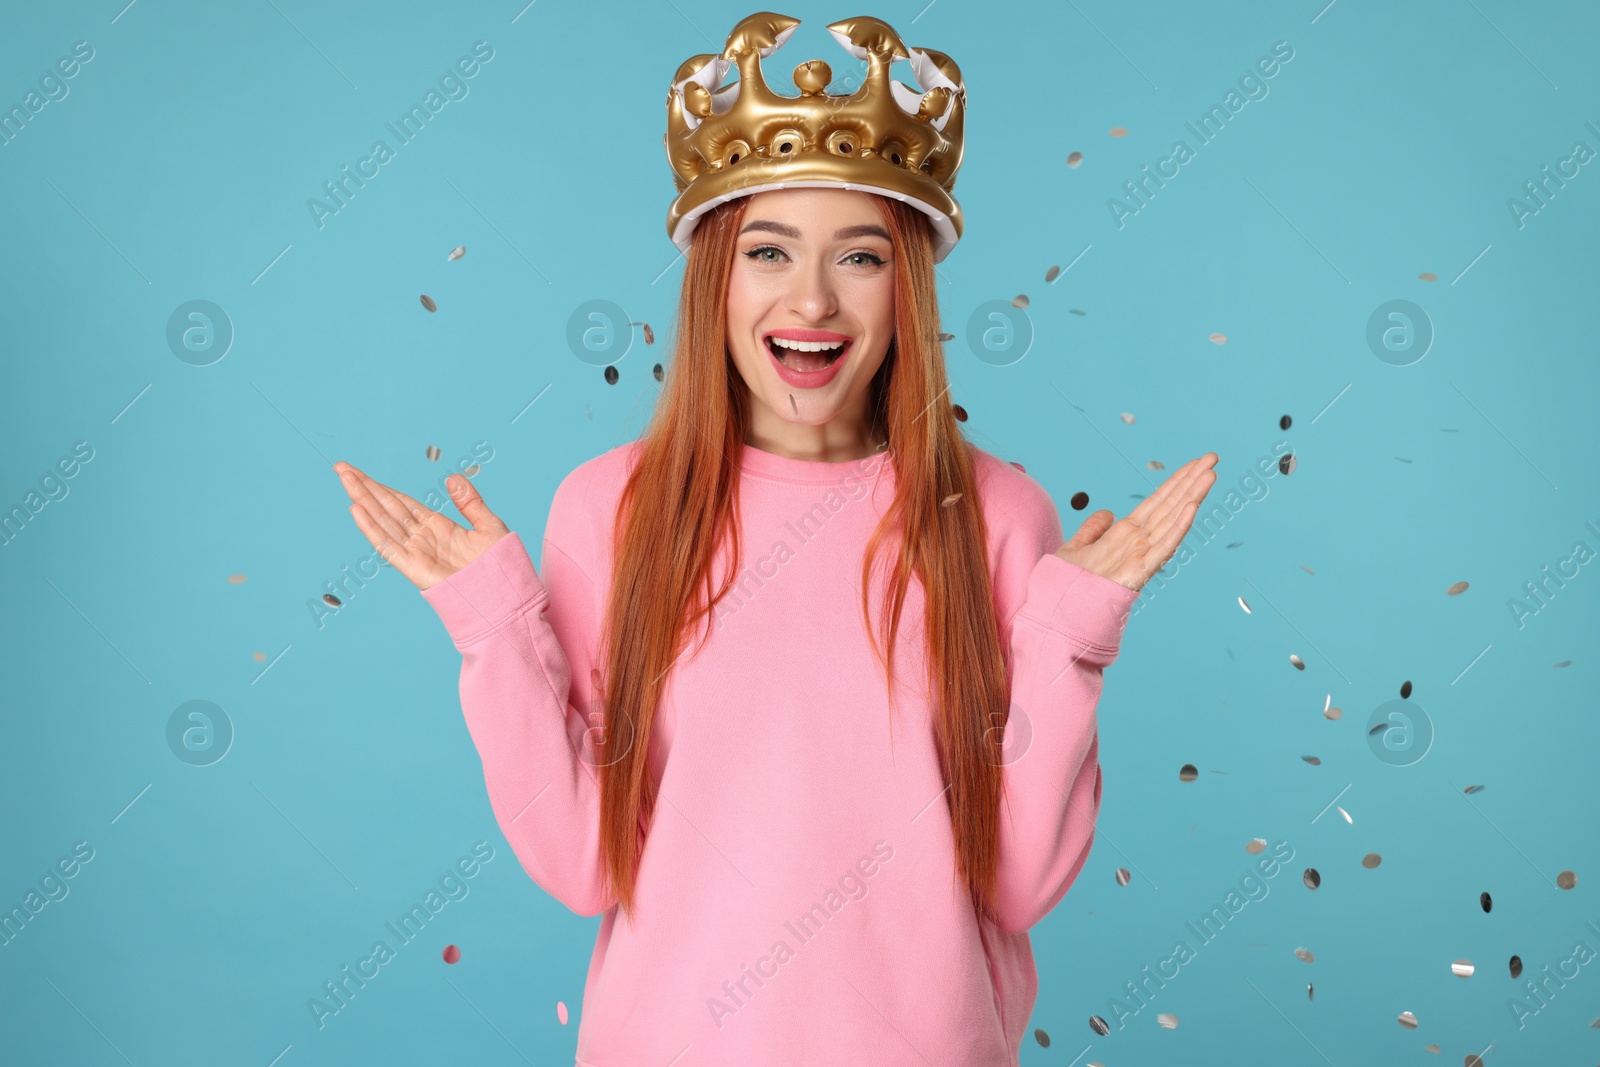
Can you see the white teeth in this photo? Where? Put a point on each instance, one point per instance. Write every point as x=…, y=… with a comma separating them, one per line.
x=806, y=346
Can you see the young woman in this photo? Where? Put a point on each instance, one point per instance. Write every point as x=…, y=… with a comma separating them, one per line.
x=692, y=719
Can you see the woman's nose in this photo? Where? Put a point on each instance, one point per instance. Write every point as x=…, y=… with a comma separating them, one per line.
x=812, y=296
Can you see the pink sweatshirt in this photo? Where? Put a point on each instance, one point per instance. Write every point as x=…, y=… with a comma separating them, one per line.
x=798, y=895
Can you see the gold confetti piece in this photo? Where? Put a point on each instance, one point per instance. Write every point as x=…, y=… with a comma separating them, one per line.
x=611, y=375
x=1127, y=418
x=951, y=499
x=1408, y=1020
x=1473, y=789
x=458, y=251
x=1308, y=570
x=649, y=334
x=1299, y=664
x=259, y=657
x=1431, y=1048
x=1428, y=276
x=1188, y=773
x=1020, y=300
x=236, y=579
x=1156, y=465
x=1167, y=1020
x=335, y=601
x=1371, y=860
x=434, y=453
x=1456, y=589
x=1219, y=338
x=1051, y=274
x=1461, y=968
x=1074, y=159
x=1313, y=760
x=472, y=471
x=1123, y=877
x=947, y=337
x=1304, y=954
x=1346, y=815
x=1566, y=879
x=1311, y=878
x=1255, y=845
x=1119, y=131
x=427, y=302
x=1332, y=713
x=1245, y=606
x=1042, y=1037
x=959, y=412
x=1516, y=966
x=1098, y=1025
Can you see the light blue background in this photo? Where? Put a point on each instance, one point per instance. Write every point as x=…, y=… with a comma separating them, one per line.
x=222, y=897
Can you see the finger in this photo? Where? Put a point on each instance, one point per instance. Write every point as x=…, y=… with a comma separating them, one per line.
x=471, y=505
x=1166, y=537
x=405, y=513
x=1093, y=528
x=1193, y=491
x=360, y=488
x=1158, y=501
x=1174, y=493
x=393, y=552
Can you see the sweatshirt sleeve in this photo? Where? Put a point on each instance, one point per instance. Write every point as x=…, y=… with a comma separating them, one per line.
x=527, y=647
x=1065, y=632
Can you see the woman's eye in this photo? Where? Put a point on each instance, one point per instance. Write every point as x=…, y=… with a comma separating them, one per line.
x=757, y=254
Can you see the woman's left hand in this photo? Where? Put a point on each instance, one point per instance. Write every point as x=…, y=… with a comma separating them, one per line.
x=1130, y=549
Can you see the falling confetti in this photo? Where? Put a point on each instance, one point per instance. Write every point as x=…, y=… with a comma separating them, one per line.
x=1288, y=463
x=1304, y=954
x=1245, y=606
x=472, y=471
x=1473, y=789
x=1167, y=1020
x=1020, y=300
x=1219, y=338
x=427, y=302
x=335, y=601
x=1486, y=902
x=1284, y=423
x=1077, y=311
x=1457, y=589
x=1119, y=131
x=649, y=334
x=458, y=251
x=951, y=499
x=1019, y=466
x=1256, y=845
x=1123, y=877
x=1042, y=1037
x=1313, y=760
x=1428, y=276
x=451, y=954
x=1516, y=966
x=561, y=1011
x=657, y=371
x=1074, y=159
x=259, y=657
x=1098, y=1025
x=947, y=337
x=959, y=412
x=1346, y=815
x=1157, y=465
x=1461, y=968
x=1127, y=418
x=1299, y=664
x=1563, y=663
x=611, y=375
x=1051, y=274
x=1188, y=773
x=1311, y=878
x=1408, y=1020
x=434, y=453
x=236, y=579
x=1371, y=860
x=1566, y=880
x=1308, y=570
x=1405, y=690
x=1080, y=500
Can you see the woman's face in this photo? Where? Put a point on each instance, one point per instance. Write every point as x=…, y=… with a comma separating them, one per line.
x=811, y=265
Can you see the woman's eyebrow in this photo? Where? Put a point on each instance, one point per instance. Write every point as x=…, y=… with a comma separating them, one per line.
x=783, y=229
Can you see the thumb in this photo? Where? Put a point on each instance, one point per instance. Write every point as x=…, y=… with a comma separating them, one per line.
x=1092, y=529
x=471, y=505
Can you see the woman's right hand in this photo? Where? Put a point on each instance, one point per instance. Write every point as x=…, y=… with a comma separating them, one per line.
x=422, y=544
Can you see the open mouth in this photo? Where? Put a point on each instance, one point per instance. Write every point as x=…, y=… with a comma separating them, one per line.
x=806, y=356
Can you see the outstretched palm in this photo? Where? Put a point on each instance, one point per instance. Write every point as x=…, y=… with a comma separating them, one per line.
x=422, y=544
x=1130, y=549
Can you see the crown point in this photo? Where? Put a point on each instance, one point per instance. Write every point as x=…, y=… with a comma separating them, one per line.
x=812, y=77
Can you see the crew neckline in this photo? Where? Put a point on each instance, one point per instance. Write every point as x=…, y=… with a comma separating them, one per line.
x=770, y=465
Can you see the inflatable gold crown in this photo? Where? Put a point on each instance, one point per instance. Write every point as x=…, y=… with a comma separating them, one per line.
x=726, y=141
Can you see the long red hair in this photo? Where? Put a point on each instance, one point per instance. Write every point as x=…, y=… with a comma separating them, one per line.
x=681, y=501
